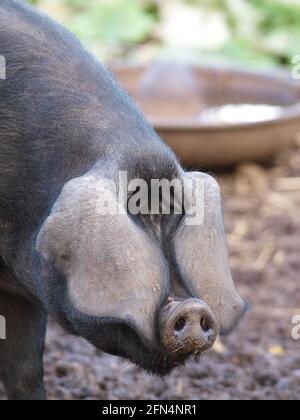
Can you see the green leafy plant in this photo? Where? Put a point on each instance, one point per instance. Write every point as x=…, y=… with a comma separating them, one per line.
x=261, y=31
x=112, y=21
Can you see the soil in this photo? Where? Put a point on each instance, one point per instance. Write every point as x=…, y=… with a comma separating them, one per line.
x=260, y=360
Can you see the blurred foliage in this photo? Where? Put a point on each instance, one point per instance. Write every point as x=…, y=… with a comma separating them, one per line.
x=110, y=22
x=260, y=32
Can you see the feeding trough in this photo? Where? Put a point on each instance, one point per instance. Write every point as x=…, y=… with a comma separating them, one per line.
x=216, y=117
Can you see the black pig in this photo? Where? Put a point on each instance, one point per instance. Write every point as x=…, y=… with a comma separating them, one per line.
x=152, y=289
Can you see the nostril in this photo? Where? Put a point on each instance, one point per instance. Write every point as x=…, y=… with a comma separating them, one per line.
x=180, y=324
x=206, y=324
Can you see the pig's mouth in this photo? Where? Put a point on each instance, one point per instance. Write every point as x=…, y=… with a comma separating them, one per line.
x=185, y=330
x=126, y=343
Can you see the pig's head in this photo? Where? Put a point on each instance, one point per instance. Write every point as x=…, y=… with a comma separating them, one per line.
x=153, y=289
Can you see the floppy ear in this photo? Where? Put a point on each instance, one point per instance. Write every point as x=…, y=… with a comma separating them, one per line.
x=112, y=267
x=202, y=256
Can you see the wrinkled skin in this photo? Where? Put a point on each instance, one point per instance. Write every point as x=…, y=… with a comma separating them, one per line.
x=65, y=124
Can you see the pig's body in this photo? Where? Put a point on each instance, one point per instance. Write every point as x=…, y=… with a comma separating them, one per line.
x=62, y=115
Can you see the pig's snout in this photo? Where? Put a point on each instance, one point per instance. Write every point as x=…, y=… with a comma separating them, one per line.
x=188, y=327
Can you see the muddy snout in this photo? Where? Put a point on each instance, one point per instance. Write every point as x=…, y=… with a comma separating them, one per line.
x=188, y=327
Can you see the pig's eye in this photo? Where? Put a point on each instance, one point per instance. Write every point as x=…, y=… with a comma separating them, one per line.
x=155, y=219
x=65, y=257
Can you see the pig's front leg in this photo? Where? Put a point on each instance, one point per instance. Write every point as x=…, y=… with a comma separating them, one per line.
x=21, y=353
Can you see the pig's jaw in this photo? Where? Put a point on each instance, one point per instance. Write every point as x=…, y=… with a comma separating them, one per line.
x=118, y=338
x=111, y=335
x=124, y=342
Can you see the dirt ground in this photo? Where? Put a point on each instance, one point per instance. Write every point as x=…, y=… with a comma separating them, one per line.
x=260, y=360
